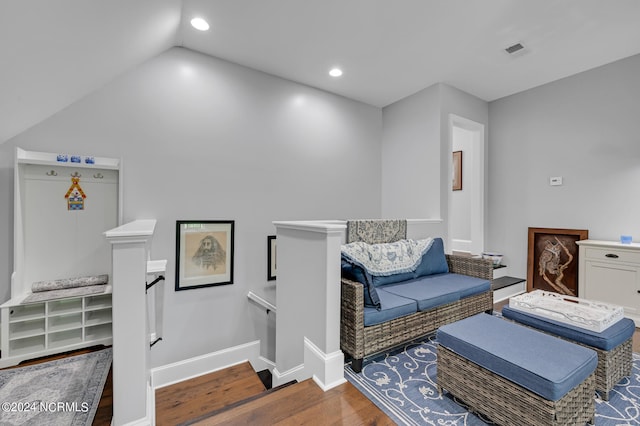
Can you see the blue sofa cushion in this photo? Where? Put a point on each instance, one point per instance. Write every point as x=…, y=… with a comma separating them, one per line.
x=428, y=295
x=357, y=273
x=433, y=260
x=463, y=284
x=606, y=340
x=544, y=364
x=392, y=307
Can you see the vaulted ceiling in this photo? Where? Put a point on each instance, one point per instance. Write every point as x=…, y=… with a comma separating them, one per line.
x=54, y=52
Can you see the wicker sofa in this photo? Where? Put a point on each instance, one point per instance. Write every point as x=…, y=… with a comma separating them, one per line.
x=358, y=340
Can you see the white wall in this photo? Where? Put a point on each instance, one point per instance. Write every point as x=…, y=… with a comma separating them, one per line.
x=202, y=138
x=416, y=152
x=585, y=128
x=411, y=157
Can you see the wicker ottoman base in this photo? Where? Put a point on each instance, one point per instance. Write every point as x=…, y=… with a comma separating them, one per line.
x=505, y=402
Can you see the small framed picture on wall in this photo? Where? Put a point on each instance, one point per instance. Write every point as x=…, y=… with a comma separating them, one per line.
x=457, y=171
x=271, y=258
x=204, y=253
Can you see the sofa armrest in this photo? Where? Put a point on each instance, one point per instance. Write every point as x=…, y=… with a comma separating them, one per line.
x=474, y=267
x=352, y=318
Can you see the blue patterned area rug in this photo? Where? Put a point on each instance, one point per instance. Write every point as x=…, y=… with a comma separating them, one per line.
x=403, y=384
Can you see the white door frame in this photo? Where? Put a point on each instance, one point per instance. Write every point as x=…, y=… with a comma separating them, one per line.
x=475, y=183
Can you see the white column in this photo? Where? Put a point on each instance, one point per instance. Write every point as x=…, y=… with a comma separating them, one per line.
x=131, y=385
x=308, y=300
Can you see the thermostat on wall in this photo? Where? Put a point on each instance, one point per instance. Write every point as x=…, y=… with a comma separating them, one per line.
x=555, y=181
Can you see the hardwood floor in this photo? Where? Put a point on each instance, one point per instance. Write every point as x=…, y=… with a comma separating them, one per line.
x=193, y=398
x=304, y=403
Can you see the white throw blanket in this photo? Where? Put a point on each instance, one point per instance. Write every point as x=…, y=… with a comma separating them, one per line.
x=387, y=258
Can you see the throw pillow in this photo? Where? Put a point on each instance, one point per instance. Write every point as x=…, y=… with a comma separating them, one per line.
x=433, y=260
x=356, y=273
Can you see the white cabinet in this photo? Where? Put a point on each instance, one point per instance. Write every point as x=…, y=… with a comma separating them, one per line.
x=45, y=328
x=61, y=210
x=610, y=272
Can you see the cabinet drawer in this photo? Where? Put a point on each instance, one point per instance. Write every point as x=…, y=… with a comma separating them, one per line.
x=613, y=255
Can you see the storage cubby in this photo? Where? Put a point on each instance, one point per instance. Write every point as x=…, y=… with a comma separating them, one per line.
x=30, y=345
x=22, y=329
x=81, y=199
x=26, y=312
x=64, y=306
x=97, y=302
x=97, y=332
x=64, y=338
x=64, y=322
x=97, y=317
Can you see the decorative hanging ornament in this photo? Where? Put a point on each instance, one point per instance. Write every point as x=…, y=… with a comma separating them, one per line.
x=75, y=195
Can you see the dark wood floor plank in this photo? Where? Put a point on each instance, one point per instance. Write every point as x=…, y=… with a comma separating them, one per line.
x=192, y=398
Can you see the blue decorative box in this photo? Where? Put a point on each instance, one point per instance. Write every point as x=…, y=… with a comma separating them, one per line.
x=89, y=160
x=626, y=239
x=63, y=158
x=75, y=159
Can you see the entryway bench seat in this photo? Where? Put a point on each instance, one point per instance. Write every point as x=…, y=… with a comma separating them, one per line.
x=514, y=374
x=613, y=345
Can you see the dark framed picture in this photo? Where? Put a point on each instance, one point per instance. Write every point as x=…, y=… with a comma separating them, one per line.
x=552, y=260
x=271, y=257
x=204, y=253
x=457, y=171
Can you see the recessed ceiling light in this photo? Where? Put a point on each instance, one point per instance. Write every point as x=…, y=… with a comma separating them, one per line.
x=335, y=72
x=200, y=24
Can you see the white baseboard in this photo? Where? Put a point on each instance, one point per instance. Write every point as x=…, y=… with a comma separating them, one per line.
x=208, y=363
x=327, y=370
x=296, y=373
x=510, y=291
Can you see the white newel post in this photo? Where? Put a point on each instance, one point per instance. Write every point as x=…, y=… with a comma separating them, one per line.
x=308, y=300
x=131, y=377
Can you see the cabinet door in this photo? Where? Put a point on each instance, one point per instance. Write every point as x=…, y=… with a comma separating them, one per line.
x=613, y=283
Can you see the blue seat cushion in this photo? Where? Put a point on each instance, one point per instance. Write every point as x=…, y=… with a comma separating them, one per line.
x=391, y=307
x=544, y=364
x=428, y=295
x=606, y=340
x=463, y=284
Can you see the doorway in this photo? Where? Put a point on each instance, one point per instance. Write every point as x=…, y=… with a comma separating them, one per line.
x=466, y=205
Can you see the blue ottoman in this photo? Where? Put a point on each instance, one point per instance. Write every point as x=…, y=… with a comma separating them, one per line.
x=613, y=345
x=516, y=375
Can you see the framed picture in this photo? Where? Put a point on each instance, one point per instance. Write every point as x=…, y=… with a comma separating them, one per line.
x=271, y=257
x=552, y=261
x=204, y=253
x=457, y=171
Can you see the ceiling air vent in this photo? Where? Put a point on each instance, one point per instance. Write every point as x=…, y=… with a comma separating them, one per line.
x=514, y=48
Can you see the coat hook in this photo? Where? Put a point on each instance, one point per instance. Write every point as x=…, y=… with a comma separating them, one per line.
x=52, y=173
x=76, y=175
x=98, y=176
